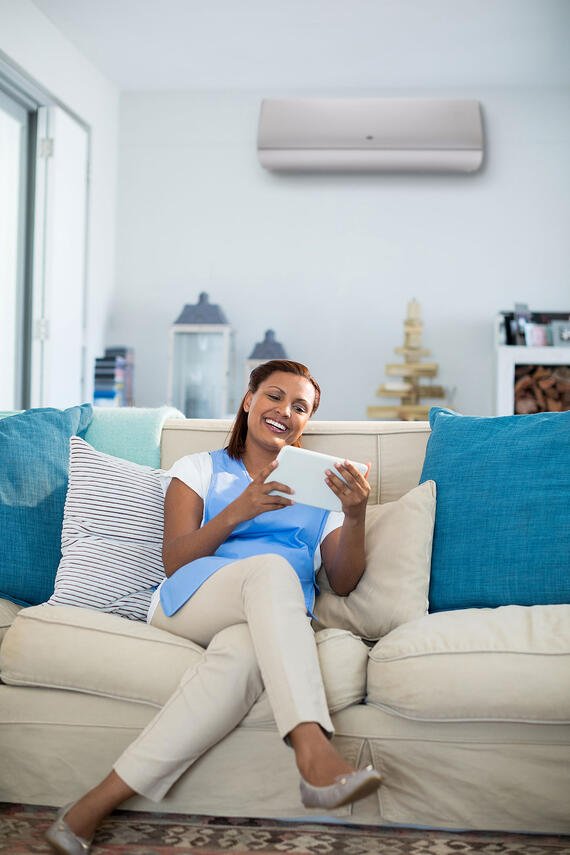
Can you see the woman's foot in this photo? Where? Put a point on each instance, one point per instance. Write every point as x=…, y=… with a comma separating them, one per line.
x=76, y=824
x=317, y=759
x=63, y=839
x=327, y=780
x=345, y=790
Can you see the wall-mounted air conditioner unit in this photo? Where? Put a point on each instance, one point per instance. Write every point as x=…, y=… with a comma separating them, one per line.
x=370, y=135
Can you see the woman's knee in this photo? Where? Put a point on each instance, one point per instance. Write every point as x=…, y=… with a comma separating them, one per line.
x=272, y=566
x=234, y=645
x=273, y=577
x=235, y=642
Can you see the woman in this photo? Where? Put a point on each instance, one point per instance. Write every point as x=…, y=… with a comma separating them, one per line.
x=240, y=568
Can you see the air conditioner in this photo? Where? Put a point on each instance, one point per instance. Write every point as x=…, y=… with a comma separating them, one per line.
x=370, y=135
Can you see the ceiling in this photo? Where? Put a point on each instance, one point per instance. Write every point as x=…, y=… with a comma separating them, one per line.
x=315, y=45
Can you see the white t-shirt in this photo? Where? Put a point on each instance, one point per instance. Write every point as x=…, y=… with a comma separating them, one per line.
x=195, y=470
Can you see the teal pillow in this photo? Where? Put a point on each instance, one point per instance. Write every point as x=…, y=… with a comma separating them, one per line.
x=34, y=462
x=502, y=524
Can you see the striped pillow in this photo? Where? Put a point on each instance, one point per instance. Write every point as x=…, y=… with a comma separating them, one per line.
x=112, y=534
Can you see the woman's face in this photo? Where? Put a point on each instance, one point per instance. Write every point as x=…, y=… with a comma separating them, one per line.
x=279, y=410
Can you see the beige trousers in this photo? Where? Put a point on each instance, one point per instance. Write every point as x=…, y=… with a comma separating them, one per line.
x=251, y=617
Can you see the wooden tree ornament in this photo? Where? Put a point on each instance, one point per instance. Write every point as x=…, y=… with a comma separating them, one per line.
x=409, y=389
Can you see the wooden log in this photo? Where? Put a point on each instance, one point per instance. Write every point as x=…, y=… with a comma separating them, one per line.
x=540, y=371
x=523, y=383
x=525, y=405
x=540, y=399
x=552, y=392
x=547, y=382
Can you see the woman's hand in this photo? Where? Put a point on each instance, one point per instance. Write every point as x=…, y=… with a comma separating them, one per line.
x=343, y=549
x=353, y=492
x=184, y=538
x=256, y=498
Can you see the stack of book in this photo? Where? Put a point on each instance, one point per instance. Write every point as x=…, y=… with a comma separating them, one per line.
x=114, y=378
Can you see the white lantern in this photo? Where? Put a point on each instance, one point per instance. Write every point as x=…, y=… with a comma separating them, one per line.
x=200, y=361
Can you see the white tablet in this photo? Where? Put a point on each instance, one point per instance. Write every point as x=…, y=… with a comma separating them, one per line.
x=304, y=472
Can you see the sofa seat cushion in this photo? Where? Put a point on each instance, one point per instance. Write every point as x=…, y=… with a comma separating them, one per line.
x=64, y=647
x=506, y=664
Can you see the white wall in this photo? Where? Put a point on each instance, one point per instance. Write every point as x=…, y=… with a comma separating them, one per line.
x=330, y=261
x=31, y=42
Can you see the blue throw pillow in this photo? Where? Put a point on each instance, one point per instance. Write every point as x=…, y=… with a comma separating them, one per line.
x=34, y=462
x=502, y=525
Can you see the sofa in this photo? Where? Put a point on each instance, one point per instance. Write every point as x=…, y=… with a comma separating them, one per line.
x=466, y=711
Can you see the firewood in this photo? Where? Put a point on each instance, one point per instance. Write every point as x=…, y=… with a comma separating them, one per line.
x=540, y=399
x=552, y=393
x=523, y=383
x=525, y=405
x=540, y=371
x=547, y=382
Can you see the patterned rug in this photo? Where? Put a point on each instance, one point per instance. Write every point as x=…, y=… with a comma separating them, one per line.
x=133, y=833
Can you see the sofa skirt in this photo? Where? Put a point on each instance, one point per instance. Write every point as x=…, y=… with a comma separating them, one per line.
x=55, y=744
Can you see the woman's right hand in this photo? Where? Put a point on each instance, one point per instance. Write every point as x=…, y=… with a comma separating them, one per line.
x=256, y=498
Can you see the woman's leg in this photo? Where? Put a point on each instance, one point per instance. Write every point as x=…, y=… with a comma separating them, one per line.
x=265, y=591
x=210, y=701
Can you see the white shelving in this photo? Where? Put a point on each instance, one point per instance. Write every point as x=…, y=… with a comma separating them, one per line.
x=507, y=357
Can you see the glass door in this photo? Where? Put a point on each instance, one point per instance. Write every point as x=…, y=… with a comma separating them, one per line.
x=57, y=353
x=13, y=195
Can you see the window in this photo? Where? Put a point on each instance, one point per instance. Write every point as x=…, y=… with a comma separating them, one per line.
x=44, y=158
x=14, y=178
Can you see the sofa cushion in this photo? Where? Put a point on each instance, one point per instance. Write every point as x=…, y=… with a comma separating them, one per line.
x=506, y=664
x=134, y=661
x=34, y=459
x=394, y=586
x=502, y=528
x=8, y=611
x=111, y=540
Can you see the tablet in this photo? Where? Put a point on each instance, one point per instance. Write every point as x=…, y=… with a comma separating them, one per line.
x=304, y=472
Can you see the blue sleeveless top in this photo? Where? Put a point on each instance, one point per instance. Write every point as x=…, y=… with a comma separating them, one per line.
x=293, y=532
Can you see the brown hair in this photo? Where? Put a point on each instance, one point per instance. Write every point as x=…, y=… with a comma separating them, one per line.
x=236, y=445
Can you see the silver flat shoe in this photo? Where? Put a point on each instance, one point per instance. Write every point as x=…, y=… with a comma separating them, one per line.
x=63, y=840
x=346, y=789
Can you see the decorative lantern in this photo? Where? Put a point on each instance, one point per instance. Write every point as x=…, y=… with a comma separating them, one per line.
x=263, y=351
x=200, y=359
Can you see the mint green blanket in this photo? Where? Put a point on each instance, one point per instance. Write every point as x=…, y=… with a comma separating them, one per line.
x=132, y=433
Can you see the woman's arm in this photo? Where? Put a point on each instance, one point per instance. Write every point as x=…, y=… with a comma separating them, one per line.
x=343, y=549
x=184, y=540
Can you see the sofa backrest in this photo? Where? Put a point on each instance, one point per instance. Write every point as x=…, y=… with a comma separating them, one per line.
x=396, y=449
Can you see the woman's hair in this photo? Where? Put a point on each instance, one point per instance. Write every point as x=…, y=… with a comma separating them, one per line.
x=236, y=445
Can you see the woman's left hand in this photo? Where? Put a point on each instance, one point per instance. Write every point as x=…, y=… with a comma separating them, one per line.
x=353, y=492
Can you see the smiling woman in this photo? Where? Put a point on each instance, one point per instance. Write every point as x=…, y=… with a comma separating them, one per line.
x=266, y=381
x=240, y=568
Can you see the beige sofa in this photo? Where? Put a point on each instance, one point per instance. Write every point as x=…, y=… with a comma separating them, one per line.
x=467, y=714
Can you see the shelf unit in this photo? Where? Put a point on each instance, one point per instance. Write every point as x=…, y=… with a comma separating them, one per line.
x=509, y=356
